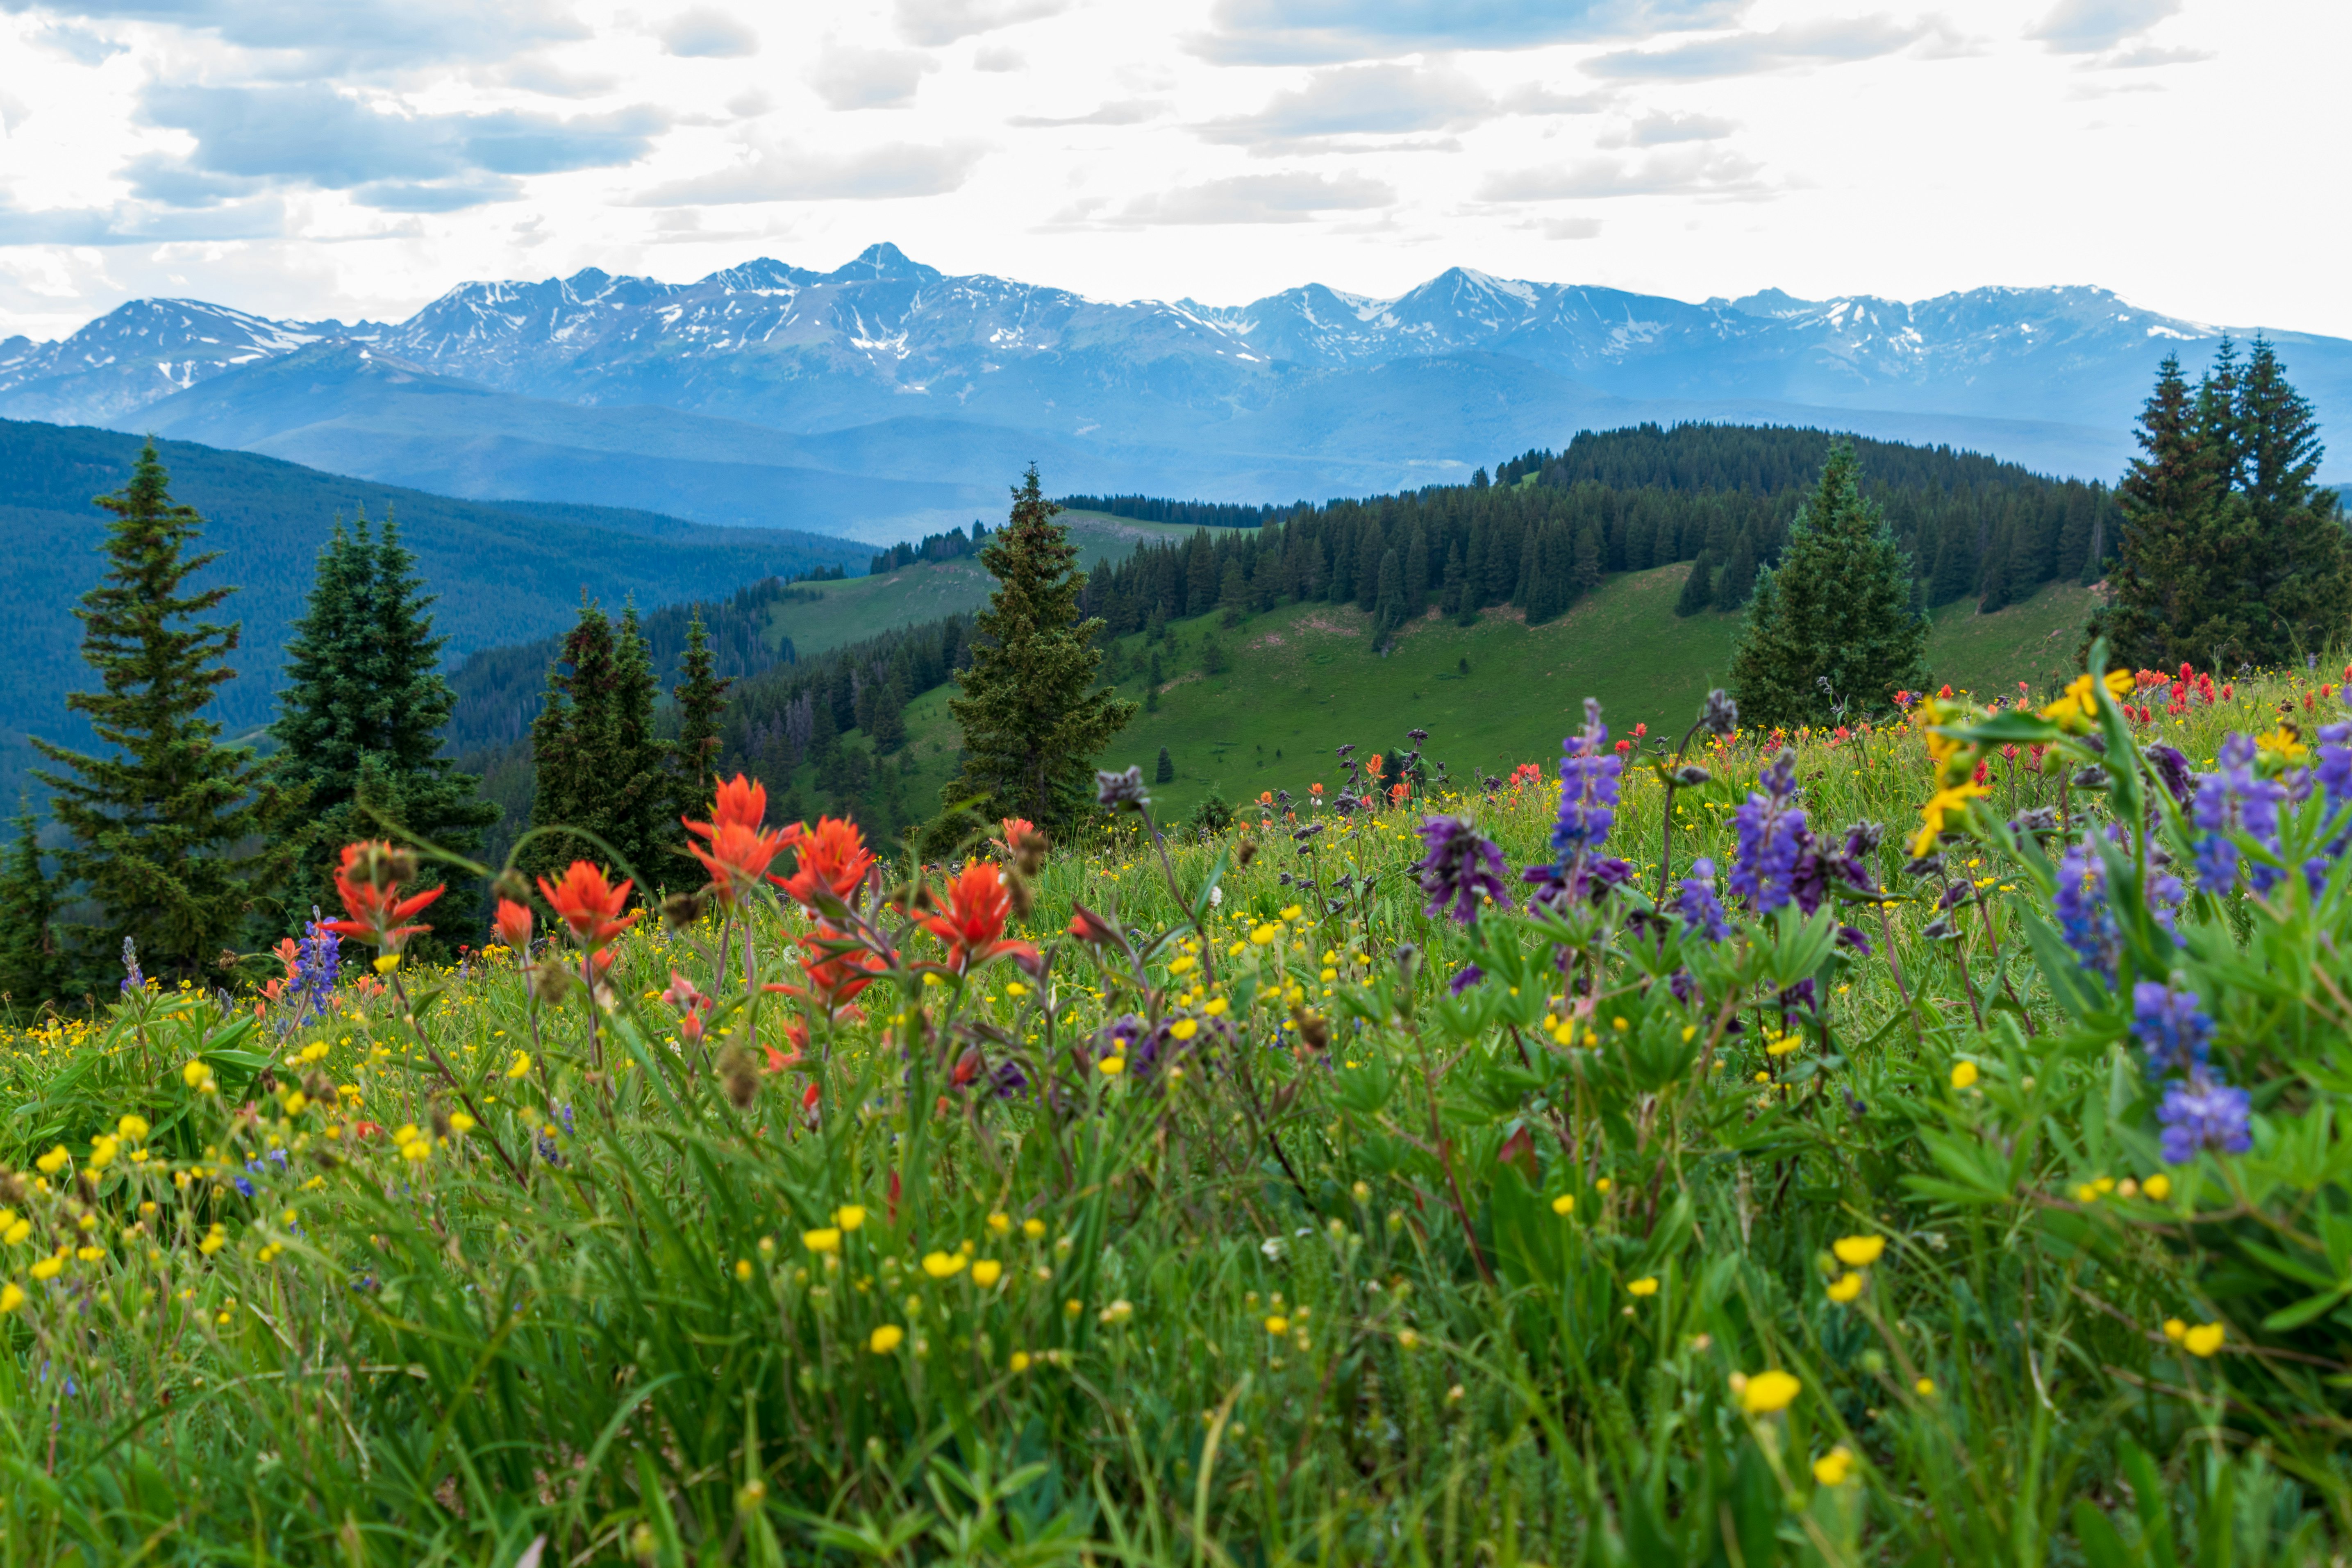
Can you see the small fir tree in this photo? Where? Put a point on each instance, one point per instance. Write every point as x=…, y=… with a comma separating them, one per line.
x=1833, y=620
x=365, y=698
x=701, y=698
x=599, y=768
x=1165, y=772
x=29, y=971
x=1698, y=588
x=178, y=842
x=1033, y=721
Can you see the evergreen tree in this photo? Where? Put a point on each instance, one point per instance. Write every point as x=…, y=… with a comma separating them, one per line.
x=365, y=694
x=29, y=971
x=1836, y=610
x=180, y=843
x=1166, y=772
x=1738, y=576
x=2168, y=594
x=1998, y=572
x=598, y=766
x=2297, y=585
x=1151, y=690
x=1031, y=723
x=701, y=698
x=1698, y=588
x=1588, y=562
x=1388, y=605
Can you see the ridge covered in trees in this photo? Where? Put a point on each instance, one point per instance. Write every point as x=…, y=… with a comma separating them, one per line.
x=1194, y=513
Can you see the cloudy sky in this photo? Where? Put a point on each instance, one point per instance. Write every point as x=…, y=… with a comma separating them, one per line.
x=309, y=158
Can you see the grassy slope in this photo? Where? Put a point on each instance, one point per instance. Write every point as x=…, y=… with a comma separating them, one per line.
x=1301, y=682
x=863, y=606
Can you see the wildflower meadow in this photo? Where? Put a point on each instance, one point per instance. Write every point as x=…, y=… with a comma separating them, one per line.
x=1910, y=1143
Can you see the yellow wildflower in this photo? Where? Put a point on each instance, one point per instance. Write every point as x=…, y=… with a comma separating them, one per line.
x=1945, y=801
x=825, y=1240
x=986, y=1271
x=886, y=1338
x=1858, y=1251
x=1832, y=1468
x=849, y=1216
x=944, y=1265
x=1768, y=1392
x=1846, y=1287
x=1645, y=1286
x=2203, y=1340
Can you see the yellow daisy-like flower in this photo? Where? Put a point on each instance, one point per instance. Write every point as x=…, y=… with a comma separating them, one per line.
x=1859, y=1251
x=1564, y=1204
x=48, y=1267
x=1111, y=1067
x=50, y=1163
x=519, y=1066
x=1846, y=1287
x=1964, y=1074
x=825, y=1240
x=1183, y=1029
x=2202, y=1340
x=1278, y=1325
x=886, y=1338
x=1925, y=1388
x=986, y=1271
x=1020, y=1362
x=2174, y=1328
x=944, y=1265
x=2286, y=742
x=1033, y=1229
x=1768, y=1392
x=12, y=1296
x=132, y=1129
x=2158, y=1186
x=1645, y=1286
x=1833, y=1469
x=849, y=1216
x=1945, y=803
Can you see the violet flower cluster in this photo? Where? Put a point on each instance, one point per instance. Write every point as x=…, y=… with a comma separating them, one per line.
x=2201, y=1109
x=1701, y=911
x=1461, y=868
x=2233, y=799
x=1589, y=774
x=1778, y=862
x=2085, y=920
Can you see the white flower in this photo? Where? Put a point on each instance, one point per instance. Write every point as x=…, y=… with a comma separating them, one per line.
x=1216, y=897
x=1272, y=1246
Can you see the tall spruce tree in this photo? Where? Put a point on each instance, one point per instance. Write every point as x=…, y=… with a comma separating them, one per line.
x=30, y=974
x=2230, y=550
x=1032, y=722
x=178, y=842
x=1837, y=609
x=361, y=720
x=701, y=698
x=597, y=765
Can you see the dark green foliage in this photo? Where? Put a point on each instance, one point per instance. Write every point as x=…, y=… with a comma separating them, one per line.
x=1165, y=772
x=701, y=699
x=505, y=572
x=1648, y=496
x=177, y=842
x=1030, y=718
x=361, y=717
x=596, y=762
x=1737, y=579
x=1156, y=679
x=1698, y=588
x=1215, y=660
x=29, y=970
x=1212, y=814
x=1202, y=513
x=1833, y=623
x=2228, y=553
x=952, y=545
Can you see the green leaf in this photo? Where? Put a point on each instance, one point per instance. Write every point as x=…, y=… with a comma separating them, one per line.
x=2302, y=1311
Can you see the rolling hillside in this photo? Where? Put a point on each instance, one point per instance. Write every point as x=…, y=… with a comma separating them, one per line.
x=502, y=575
x=1300, y=682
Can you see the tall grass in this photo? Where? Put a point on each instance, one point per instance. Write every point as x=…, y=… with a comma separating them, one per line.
x=1357, y=1270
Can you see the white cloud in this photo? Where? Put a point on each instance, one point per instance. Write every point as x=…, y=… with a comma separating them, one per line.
x=1660, y=130
x=1781, y=48
x=848, y=77
x=804, y=174
x=707, y=33
x=1316, y=32
x=2087, y=26
x=999, y=58
x=1249, y=199
x=1380, y=100
x=1131, y=111
x=934, y=22
x=1682, y=171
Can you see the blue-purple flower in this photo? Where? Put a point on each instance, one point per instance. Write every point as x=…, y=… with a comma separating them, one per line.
x=2081, y=905
x=1701, y=911
x=1467, y=976
x=1588, y=793
x=2202, y=1113
x=1461, y=868
x=2170, y=1027
x=2233, y=799
x=1773, y=838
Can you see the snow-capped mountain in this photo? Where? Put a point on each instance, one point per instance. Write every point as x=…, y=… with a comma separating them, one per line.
x=1310, y=391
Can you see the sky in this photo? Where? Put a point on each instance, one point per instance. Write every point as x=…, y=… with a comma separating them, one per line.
x=304, y=159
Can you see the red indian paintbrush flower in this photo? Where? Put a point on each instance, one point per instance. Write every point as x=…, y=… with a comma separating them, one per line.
x=590, y=905
x=368, y=881
x=513, y=924
x=834, y=856
x=739, y=850
x=973, y=924
x=838, y=971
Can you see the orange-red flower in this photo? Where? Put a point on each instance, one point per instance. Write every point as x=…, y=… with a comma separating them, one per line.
x=368, y=881
x=973, y=923
x=1012, y=829
x=838, y=971
x=833, y=856
x=739, y=850
x=289, y=954
x=797, y=1033
x=1088, y=926
x=514, y=924
x=590, y=905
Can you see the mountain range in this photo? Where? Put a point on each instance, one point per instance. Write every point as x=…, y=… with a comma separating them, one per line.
x=886, y=397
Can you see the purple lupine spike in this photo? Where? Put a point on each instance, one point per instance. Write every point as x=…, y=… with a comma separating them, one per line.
x=1462, y=868
x=1701, y=911
x=2170, y=1027
x=2203, y=1112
